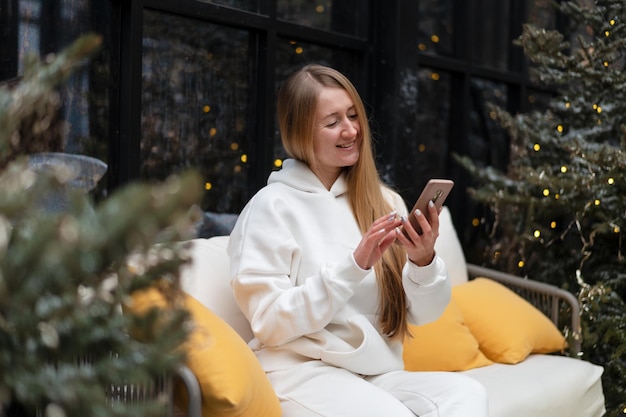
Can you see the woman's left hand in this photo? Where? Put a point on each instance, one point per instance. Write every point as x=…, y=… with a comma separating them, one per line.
x=420, y=248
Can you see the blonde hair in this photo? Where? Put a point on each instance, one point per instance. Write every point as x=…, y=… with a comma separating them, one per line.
x=296, y=105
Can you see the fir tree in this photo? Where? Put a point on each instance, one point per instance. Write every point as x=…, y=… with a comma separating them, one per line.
x=64, y=344
x=559, y=212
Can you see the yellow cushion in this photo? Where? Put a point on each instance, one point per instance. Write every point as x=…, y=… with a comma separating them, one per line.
x=232, y=382
x=508, y=328
x=230, y=376
x=443, y=345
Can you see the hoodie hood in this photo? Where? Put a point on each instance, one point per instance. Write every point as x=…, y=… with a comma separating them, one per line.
x=298, y=175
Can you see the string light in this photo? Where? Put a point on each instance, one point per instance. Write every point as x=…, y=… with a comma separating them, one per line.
x=278, y=163
x=611, y=181
x=299, y=50
x=421, y=47
x=607, y=33
x=537, y=234
x=553, y=224
x=596, y=202
x=568, y=105
x=206, y=108
x=244, y=158
x=616, y=229
x=536, y=147
x=612, y=23
x=559, y=128
x=234, y=146
x=434, y=38
x=421, y=147
x=563, y=169
x=520, y=264
x=208, y=186
x=212, y=132
x=435, y=76
x=319, y=8
x=546, y=192
x=476, y=222
x=606, y=64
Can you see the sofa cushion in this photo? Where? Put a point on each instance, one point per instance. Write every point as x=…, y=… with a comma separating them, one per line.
x=230, y=377
x=448, y=247
x=507, y=327
x=543, y=386
x=207, y=278
x=443, y=345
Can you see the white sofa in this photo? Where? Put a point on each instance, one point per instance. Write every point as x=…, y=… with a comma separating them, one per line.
x=542, y=385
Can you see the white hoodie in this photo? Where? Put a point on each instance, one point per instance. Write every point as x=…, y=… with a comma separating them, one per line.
x=296, y=280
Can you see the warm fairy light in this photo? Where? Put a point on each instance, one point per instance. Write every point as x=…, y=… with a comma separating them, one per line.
x=611, y=181
x=421, y=47
x=612, y=23
x=319, y=8
x=493, y=115
x=616, y=229
x=596, y=202
x=278, y=163
x=520, y=264
x=563, y=169
x=552, y=224
x=299, y=50
x=435, y=76
x=537, y=234
x=568, y=105
x=559, y=128
x=234, y=146
x=537, y=147
x=605, y=63
x=208, y=186
x=244, y=158
x=557, y=196
x=421, y=147
x=206, y=109
x=546, y=192
x=599, y=109
x=434, y=38
x=475, y=222
x=237, y=169
x=212, y=131
x=292, y=42
x=531, y=98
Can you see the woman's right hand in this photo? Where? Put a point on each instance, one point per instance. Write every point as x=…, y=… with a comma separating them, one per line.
x=376, y=240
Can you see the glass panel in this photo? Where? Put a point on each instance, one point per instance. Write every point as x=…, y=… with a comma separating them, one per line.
x=488, y=142
x=492, y=43
x=436, y=28
x=541, y=13
x=196, y=95
x=249, y=5
x=422, y=153
x=292, y=55
x=343, y=16
x=48, y=26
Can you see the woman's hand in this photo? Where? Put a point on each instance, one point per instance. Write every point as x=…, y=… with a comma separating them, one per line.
x=376, y=240
x=420, y=248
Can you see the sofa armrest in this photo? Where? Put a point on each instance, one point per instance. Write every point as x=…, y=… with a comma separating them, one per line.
x=189, y=380
x=557, y=304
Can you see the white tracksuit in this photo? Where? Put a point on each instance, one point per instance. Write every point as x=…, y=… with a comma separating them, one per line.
x=314, y=311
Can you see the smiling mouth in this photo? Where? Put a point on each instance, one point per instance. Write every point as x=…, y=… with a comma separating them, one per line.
x=346, y=145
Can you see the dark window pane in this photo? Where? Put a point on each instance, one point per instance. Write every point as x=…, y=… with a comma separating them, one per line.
x=541, y=13
x=491, y=46
x=47, y=26
x=436, y=28
x=292, y=55
x=342, y=16
x=248, y=5
x=488, y=142
x=422, y=153
x=196, y=96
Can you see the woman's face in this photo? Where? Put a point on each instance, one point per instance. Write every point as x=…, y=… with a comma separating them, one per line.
x=337, y=136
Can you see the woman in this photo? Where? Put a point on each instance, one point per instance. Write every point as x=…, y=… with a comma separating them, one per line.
x=326, y=277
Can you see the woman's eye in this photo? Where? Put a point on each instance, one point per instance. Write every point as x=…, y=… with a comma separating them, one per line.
x=353, y=116
x=331, y=124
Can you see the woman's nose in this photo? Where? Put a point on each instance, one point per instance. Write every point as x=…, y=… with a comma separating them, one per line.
x=350, y=128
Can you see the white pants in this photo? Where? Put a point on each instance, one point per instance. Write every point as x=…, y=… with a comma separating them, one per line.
x=315, y=389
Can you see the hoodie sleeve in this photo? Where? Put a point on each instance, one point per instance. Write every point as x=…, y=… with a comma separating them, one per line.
x=265, y=261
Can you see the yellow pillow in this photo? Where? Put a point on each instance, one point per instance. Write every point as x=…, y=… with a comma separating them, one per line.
x=231, y=379
x=230, y=376
x=443, y=345
x=508, y=328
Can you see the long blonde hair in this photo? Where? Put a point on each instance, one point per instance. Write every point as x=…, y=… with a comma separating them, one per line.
x=296, y=105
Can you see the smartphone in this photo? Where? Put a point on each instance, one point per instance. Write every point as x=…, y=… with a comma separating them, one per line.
x=436, y=190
